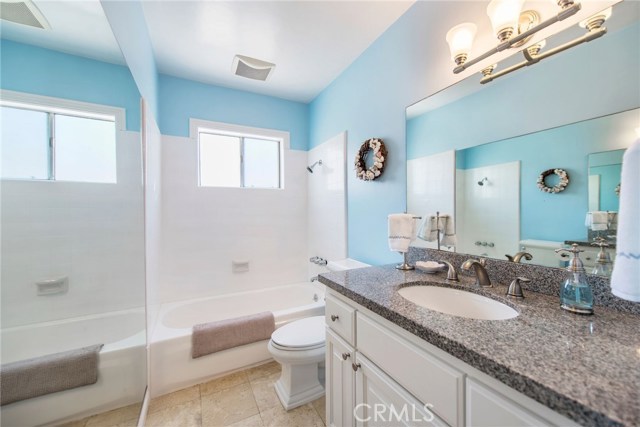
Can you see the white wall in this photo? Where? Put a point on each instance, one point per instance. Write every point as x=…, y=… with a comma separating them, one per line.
x=91, y=233
x=431, y=189
x=491, y=212
x=327, y=224
x=152, y=140
x=205, y=229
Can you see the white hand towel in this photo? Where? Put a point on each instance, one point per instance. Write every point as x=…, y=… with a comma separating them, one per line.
x=449, y=232
x=401, y=232
x=428, y=230
x=625, y=280
x=597, y=220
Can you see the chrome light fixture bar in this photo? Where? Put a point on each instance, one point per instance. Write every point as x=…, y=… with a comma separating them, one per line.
x=595, y=29
x=504, y=15
x=515, y=29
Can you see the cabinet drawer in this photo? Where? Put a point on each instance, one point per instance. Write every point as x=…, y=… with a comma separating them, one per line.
x=382, y=402
x=340, y=317
x=488, y=408
x=426, y=377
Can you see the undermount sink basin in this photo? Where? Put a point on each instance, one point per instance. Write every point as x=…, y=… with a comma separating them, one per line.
x=457, y=303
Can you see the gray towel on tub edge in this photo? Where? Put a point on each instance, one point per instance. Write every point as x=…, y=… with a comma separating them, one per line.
x=42, y=375
x=212, y=337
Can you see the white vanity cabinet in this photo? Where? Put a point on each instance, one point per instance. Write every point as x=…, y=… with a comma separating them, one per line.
x=340, y=379
x=378, y=374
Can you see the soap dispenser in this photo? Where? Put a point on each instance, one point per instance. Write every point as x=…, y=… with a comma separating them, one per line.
x=604, y=266
x=575, y=294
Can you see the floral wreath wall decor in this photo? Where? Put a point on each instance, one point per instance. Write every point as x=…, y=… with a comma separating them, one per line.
x=560, y=186
x=379, y=152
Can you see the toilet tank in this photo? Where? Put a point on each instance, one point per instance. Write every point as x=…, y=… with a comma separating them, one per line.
x=543, y=252
x=345, y=264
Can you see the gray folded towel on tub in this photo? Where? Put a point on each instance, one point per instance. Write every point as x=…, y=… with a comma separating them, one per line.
x=42, y=375
x=211, y=337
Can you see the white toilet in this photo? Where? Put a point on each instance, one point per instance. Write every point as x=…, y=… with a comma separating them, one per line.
x=299, y=347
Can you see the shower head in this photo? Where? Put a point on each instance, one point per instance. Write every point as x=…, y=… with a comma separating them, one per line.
x=310, y=168
x=481, y=182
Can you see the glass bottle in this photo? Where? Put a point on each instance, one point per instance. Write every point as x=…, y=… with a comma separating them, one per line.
x=604, y=266
x=575, y=293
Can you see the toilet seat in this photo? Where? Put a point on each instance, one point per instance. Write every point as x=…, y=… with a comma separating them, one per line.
x=303, y=334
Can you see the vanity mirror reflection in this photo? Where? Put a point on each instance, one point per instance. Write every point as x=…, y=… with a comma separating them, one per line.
x=73, y=280
x=475, y=152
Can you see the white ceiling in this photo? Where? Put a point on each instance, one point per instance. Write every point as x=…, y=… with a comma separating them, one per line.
x=77, y=27
x=311, y=42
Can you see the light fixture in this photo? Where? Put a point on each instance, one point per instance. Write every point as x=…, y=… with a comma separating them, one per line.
x=513, y=29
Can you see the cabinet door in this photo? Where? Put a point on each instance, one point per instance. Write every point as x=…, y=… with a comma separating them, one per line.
x=488, y=408
x=380, y=401
x=339, y=377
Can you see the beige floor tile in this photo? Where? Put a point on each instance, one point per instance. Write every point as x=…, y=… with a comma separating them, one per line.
x=253, y=421
x=172, y=399
x=228, y=406
x=320, y=407
x=187, y=414
x=116, y=417
x=264, y=393
x=223, y=383
x=304, y=415
x=76, y=423
x=263, y=370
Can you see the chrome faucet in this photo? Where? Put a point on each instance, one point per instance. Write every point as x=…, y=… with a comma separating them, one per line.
x=314, y=279
x=482, y=278
x=518, y=257
x=452, y=274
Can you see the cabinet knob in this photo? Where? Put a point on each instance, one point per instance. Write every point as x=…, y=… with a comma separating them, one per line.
x=355, y=366
x=345, y=356
x=334, y=317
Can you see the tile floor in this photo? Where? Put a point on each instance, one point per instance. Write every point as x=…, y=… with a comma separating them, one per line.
x=241, y=399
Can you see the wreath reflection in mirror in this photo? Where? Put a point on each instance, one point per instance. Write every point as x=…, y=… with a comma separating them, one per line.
x=560, y=186
x=380, y=154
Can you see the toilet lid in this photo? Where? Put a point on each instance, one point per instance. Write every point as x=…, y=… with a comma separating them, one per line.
x=307, y=332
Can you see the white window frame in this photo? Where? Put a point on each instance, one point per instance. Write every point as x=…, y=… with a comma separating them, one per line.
x=227, y=129
x=67, y=107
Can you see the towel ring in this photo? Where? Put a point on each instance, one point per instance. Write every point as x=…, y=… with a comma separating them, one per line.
x=380, y=154
x=560, y=186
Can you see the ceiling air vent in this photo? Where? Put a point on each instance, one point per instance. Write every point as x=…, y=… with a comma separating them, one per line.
x=23, y=12
x=252, y=68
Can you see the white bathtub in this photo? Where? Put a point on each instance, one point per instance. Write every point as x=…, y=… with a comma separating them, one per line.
x=121, y=367
x=170, y=359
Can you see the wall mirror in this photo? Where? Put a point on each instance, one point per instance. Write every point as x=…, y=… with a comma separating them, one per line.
x=72, y=236
x=475, y=152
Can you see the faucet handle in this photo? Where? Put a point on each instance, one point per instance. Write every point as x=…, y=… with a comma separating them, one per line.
x=452, y=274
x=515, y=290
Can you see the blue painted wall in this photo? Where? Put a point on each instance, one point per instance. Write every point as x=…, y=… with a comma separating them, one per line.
x=31, y=69
x=368, y=100
x=130, y=30
x=182, y=99
x=504, y=109
x=566, y=147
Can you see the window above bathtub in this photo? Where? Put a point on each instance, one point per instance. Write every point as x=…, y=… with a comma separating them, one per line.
x=52, y=139
x=239, y=156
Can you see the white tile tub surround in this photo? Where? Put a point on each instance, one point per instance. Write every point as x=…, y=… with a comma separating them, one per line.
x=431, y=188
x=205, y=229
x=170, y=349
x=121, y=367
x=91, y=233
x=327, y=196
x=491, y=212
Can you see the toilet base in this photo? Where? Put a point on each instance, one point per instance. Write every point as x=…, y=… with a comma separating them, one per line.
x=298, y=384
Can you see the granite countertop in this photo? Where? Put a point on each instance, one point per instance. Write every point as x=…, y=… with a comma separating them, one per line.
x=584, y=367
